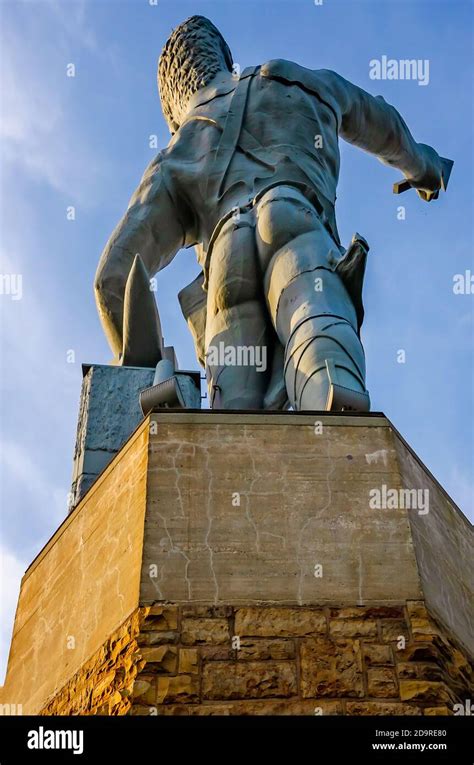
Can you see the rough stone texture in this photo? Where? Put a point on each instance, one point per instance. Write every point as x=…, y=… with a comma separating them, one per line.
x=188, y=661
x=288, y=674
x=331, y=668
x=105, y=683
x=377, y=654
x=109, y=412
x=205, y=631
x=251, y=649
x=282, y=707
x=382, y=682
x=279, y=621
x=382, y=708
x=248, y=680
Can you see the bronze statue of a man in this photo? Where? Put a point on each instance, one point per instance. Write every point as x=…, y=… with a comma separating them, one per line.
x=249, y=177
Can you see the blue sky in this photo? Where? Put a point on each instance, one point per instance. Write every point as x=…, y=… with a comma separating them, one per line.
x=83, y=141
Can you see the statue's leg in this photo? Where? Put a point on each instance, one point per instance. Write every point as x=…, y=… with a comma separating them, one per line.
x=324, y=358
x=309, y=305
x=238, y=330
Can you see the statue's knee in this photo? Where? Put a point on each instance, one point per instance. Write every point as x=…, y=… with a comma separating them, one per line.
x=325, y=365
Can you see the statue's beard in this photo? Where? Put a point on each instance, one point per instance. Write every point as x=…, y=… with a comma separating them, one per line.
x=182, y=80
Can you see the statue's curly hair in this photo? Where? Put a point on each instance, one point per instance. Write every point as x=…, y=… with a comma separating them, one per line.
x=190, y=59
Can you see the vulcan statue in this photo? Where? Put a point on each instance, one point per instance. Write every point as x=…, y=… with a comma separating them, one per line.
x=249, y=179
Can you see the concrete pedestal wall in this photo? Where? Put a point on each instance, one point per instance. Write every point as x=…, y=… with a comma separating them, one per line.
x=228, y=559
x=83, y=584
x=296, y=508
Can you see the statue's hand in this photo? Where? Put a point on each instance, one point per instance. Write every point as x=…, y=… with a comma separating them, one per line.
x=429, y=181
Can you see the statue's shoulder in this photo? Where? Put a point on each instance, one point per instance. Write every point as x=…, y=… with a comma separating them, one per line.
x=324, y=83
x=281, y=68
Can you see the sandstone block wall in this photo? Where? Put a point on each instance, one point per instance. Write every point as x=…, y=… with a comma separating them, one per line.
x=257, y=660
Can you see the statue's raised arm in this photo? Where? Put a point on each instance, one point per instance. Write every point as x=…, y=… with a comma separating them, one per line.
x=372, y=124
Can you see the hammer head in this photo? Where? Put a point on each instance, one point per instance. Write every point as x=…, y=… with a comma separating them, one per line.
x=446, y=166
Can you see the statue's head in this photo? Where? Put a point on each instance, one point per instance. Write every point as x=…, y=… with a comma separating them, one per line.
x=190, y=59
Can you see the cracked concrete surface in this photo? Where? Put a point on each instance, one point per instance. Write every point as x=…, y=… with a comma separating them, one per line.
x=303, y=502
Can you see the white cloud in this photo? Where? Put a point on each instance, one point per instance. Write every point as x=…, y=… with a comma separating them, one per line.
x=39, y=135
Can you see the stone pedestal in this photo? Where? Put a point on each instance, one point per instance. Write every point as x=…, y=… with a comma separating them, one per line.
x=109, y=412
x=229, y=563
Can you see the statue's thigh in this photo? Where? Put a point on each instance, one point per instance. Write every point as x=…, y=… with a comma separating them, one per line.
x=233, y=274
x=238, y=357
x=236, y=318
